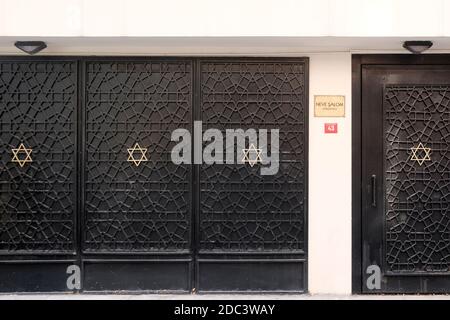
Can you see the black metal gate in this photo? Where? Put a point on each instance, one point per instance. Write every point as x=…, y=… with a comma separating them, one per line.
x=38, y=144
x=87, y=179
x=251, y=226
x=405, y=174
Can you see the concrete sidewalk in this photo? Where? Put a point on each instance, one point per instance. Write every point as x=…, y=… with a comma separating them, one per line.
x=87, y=296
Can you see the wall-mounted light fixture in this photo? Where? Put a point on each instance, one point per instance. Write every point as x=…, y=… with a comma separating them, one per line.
x=31, y=47
x=417, y=47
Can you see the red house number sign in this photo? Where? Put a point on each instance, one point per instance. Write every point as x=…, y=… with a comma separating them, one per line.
x=331, y=127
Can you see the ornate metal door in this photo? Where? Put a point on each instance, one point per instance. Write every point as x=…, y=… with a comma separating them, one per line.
x=38, y=144
x=137, y=203
x=406, y=172
x=91, y=199
x=251, y=227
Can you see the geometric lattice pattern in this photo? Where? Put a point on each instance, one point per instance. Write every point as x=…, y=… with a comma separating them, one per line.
x=37, y=109
x=417, y=225
x=240, y=209
x=130, y=207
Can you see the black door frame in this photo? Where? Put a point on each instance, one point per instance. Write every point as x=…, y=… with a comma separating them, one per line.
x=78, y=255
x=358, y=61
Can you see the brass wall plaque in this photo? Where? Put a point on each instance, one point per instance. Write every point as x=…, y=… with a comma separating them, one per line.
x=329, y=106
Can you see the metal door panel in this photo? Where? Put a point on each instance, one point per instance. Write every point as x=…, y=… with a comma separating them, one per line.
x=38, y=103
x=405, y=142
x=247, y=220
x=137, y=202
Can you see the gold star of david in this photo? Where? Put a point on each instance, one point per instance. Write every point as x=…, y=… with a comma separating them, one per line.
x=420, y=154
x=24, y=153
x=252, y=150
x=140, y=154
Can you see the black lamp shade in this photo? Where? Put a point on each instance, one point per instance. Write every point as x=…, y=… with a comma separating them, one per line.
x=31, y=47
x=417, y=46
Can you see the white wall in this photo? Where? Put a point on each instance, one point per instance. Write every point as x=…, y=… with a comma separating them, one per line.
x=330, y=166
x=157, y=18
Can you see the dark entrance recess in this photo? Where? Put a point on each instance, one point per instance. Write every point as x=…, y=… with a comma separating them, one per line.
x=87, y=177
x=401, y=141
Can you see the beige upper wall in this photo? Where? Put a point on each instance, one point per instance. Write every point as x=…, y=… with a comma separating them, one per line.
x=212, y=18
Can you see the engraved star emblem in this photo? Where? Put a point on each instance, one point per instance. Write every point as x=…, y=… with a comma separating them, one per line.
x=252, y=155
x=21, y=155
x=136, y=154
x=420, y=154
